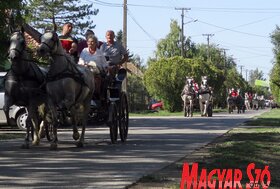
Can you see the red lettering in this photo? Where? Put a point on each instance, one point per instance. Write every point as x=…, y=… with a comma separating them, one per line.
x=212, y=185
x=266, y=173
x=221, y=177
x=237, y=178
x=250, y=176
x=189, y=178
x=203, y=179
x=228, y=179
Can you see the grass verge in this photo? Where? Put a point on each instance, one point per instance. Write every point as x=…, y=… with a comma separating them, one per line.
x=257, y=141
x=150, y=113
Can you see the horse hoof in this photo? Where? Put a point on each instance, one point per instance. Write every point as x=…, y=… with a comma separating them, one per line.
x=42, y=135
x=76, y=136
x=53, y=146
x=36, y=143
x=80, y=144
x=25, y=146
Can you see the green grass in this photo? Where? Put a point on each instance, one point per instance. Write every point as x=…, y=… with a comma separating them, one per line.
x=149, y=113
x=239, y=147
x=258, y=142
x=271, y=118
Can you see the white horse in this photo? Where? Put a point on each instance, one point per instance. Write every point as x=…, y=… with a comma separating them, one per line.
x=188, y=96
x=204, y=96
x=247, y=101
x=69, y=87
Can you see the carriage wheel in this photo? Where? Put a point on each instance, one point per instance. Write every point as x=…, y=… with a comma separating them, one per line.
x=185, y=111
x=123, y=117
x=49, y=131
x=210, y=110
x=113, y=122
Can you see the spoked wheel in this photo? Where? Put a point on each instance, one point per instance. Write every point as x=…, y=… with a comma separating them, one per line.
x=113, y=122
x=123, y=117
x=49, y=131
x=210, y=110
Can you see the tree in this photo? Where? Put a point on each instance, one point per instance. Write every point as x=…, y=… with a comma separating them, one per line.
x=165, y=78
x=274, y=75
x=255, y=75
x=170, y=46
x=8, y=15
x=41, y=14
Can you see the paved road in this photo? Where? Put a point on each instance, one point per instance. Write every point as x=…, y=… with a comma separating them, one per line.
x=153, y=143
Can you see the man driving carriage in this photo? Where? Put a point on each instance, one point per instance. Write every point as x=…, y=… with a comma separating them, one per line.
x=114, y=52
x=103, y=61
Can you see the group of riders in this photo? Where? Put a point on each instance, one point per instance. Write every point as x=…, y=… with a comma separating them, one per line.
x=192, y=93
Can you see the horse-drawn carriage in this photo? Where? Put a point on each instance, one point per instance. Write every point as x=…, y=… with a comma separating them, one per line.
x=113, y=108
x=193, y=96
x=235, y=101
x=65, y=92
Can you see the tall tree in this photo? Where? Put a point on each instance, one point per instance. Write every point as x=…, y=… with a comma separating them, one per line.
x=274, y=75
x=9, y=13
x=42, y=13
x=170, y=46
x=255, y=75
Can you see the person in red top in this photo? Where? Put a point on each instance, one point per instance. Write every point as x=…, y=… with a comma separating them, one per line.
x=69, y=43
x=233, y=93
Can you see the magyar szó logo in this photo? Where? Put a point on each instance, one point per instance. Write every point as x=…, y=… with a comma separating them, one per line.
x=224, y=178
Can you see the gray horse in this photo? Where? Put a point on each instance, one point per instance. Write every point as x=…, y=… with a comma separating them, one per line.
x=69, y=87
x=24, y=84
x=205, y=97
x=188, y=97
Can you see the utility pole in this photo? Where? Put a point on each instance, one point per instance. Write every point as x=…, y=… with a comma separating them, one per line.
x=124, y=36
x=208, y=43
x=246, y=71
x=182, y=28
x=225, y=58
x=241, y=66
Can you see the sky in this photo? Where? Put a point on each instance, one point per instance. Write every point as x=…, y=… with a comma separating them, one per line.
x=242, y=27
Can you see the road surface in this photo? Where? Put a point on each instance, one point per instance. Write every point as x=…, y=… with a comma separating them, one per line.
x=152, y=144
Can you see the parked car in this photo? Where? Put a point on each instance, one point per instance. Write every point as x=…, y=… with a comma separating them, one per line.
x=155, y=105
x=17, y=114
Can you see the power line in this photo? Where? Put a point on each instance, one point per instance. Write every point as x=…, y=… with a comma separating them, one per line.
x=213, y=9
x=256, y=35
x=149, y=35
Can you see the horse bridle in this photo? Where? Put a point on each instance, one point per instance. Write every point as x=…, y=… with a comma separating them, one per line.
x=15, y=49
x=54, y=40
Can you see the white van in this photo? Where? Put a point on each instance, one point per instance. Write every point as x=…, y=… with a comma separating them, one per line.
x=18, y=114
